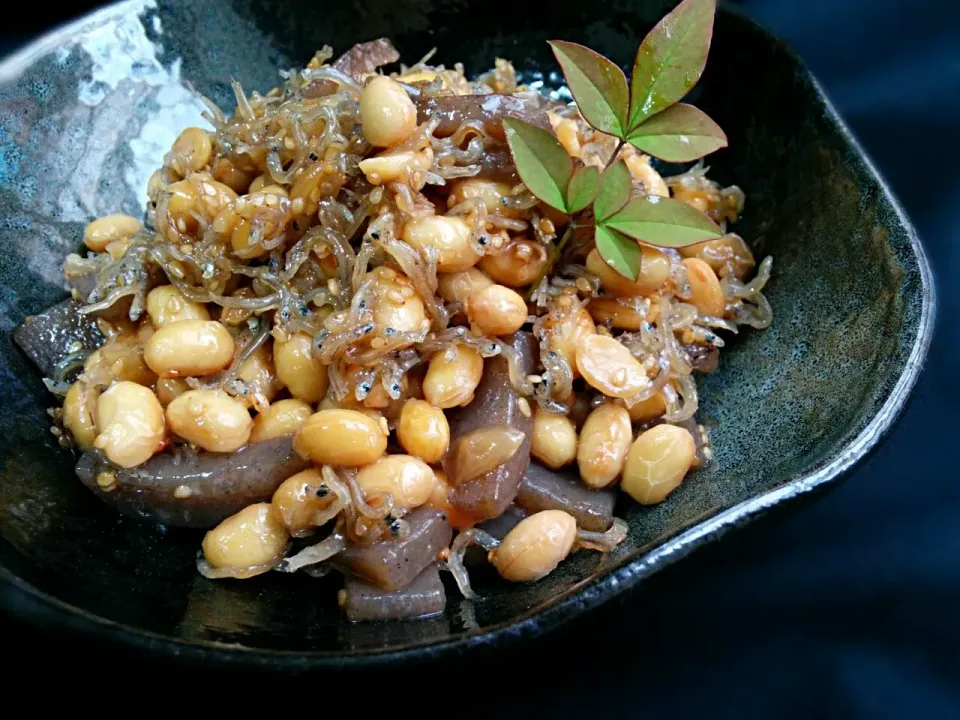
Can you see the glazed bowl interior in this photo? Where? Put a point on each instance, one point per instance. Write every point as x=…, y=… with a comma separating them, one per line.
x=85, y=117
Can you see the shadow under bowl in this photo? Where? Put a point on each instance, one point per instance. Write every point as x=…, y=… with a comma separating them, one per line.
x=86, y=115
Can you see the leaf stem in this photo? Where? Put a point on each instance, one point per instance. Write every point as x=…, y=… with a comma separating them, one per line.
x=554, y=257
x=616, y=151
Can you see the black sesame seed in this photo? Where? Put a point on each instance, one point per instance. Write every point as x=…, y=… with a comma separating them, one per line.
x=323, y=491
x=313, y=156
x=482, y=240
x=375, y=234
x=368, y=328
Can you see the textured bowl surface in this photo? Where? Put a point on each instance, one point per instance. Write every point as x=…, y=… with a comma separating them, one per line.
x=87, y=113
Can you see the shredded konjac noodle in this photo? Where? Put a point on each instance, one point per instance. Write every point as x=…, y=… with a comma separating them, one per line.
x=347, y=262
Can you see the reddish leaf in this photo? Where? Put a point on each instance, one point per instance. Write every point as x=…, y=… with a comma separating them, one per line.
x=597, y=84
x=582, y=188
x=680, y=133
x=541, y=161
x=670, y=59
x=663, y=222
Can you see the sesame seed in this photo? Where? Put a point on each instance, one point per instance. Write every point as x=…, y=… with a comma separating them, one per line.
x=524, y=407
x=107, y=479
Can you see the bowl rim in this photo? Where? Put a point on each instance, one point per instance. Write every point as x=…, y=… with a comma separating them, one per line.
x=38, y=607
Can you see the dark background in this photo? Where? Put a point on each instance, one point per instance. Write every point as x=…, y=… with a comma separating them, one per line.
x=849, y=607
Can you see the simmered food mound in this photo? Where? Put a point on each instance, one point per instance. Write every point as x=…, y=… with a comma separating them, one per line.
x=349, y=336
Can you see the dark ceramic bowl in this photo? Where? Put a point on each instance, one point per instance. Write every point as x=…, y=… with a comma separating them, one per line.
x=86, y=114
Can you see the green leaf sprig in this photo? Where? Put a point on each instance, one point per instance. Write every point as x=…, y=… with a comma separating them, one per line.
x=650, y=117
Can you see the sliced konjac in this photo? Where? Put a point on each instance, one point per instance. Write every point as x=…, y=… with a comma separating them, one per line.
x=496, y=403
x=356, y=62
x=82, y=281
x=366, y=57
x=423, y=597
x=545, y=489
x=481, y=451
x=47, y=338
x=497, y=527
x=703, y=358
x=196, y=490
x=490, y=109
x=497, y=164
x=393, y=564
